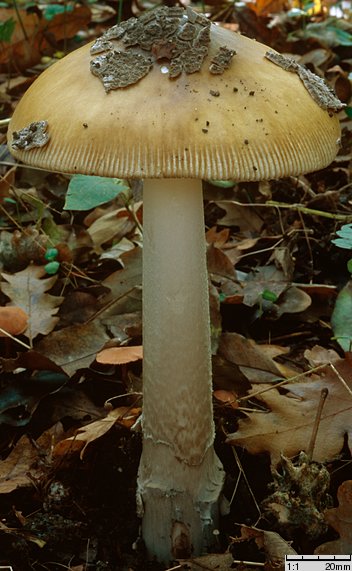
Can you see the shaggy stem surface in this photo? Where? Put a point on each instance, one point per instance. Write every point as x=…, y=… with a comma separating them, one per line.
x=180, y=477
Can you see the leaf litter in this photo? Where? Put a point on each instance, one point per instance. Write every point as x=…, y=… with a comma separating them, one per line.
x=71, y=404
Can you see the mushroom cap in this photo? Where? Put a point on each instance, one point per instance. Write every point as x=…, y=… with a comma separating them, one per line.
x=254, y=121
x=13, y=319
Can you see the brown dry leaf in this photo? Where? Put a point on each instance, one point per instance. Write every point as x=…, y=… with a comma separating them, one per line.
x=217, y=238
x=268, y=7
x=293, y=300
x=42, y=35
x=256, y=365
x=340, y=519
x=245, y=218
x=125, y=285
x=112, y=225
x=74, y=347
x=318, y=355
x=212, y=562
x=27, y=290
x=120, y=355
x=234, y=249
x=287, y=428
x=274, y=546
x=27, y=535
x=78, y=443
x=264, y=278
x=228, y=398
x=14, y=470
x=219, y=264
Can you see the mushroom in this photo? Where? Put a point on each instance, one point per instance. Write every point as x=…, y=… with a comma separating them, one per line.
x=13, y=321
x=173, y=99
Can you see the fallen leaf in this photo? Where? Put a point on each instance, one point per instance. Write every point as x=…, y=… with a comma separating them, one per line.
x=212, y=562
x=219, y=264
x=293, y=300
x=22, y=393
x=274, y=546
x=227, y=398
x=265, y=278
x=124, y=415
x=217, y=238
x=124, y=285
x=287, y=427
x=112, y=226
x=74, y=347
x=27, y=535
x=340, y=519
x=318, y=355
x=23, y=460
x=246, y=354
x=244, y=217
x=27, y=290
x=27, y=48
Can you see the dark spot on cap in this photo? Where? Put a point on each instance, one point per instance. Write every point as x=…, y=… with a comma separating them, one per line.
x=85, y=125
x=205, y=130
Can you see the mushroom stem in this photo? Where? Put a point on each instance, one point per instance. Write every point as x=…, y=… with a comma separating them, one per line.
x=180, y=477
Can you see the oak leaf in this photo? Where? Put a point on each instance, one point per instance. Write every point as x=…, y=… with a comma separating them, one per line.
x=27, y=290
x=287, y=426
x=340, y=519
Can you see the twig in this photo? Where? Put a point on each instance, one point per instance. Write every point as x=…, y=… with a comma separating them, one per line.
x=284, y=382
x=249, y=563
x=110, y=304
x=243, y=475
x=15, y=338
x=296, y=206
x=323, y=395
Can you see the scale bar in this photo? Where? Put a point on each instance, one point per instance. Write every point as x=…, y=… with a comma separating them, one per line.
x=318, y=562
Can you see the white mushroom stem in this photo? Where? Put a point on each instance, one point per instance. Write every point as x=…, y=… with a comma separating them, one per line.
x=180, y=477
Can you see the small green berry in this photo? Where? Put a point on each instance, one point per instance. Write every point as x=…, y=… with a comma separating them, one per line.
x=269, y=295
x=51, y=268
x=51, y=254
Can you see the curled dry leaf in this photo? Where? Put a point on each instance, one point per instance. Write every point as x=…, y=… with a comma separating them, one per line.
x=245, y=353
x=26, y=459
x=227, y=398
x=274, y=546
x=125, y=416
x=340, y=519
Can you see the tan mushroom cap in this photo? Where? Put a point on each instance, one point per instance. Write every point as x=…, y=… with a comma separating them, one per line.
x=254, y=121
x=13, y=320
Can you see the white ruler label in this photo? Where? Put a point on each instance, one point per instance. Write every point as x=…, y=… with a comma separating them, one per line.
x=318, y=563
